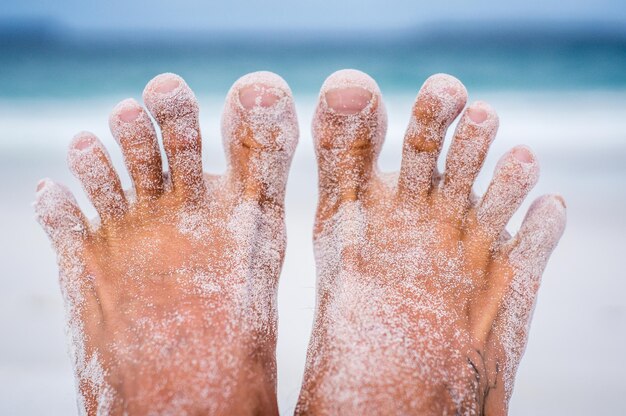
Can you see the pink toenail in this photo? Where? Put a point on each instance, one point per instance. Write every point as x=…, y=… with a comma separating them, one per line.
x=349, y=100
x=257, y=95
x=452, y=91
x=446, y=84
x=129, y=114
x=477, y=114
x=166, y=84
x=83, y=142
x=523, y=155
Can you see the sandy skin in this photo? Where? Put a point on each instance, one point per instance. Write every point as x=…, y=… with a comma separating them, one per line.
x=171, y=293
x=424, y=300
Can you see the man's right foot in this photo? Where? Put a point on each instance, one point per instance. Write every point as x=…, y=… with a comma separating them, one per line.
x=171, y=295
x=424, y=301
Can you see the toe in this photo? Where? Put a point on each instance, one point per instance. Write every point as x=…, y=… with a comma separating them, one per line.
x=175, y=108
x=540, y=232
x=439, y=102
x=527, y=255
x=59, y=215
x=348, y=128
x=472, y=138
x=90, y=163
x=515, y=175
x=134, y=132
x=260, y=131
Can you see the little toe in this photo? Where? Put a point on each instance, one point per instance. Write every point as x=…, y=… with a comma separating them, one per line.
x=515, y=175
x=175, y=108
x=439, y=102
x=472, y=138
x=90, y=163
x=539, y=234
x=132, y=128
x=59, y=215
x=348, y=128
x=260, y=131
x=528, y=252
x=527, y=255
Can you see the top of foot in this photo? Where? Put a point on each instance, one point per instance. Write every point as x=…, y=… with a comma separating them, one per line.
x=424, y=300
x=171, y=291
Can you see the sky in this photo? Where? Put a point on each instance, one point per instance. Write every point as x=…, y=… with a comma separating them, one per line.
x=277, y=15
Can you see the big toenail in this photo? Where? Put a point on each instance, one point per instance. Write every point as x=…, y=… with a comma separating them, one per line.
x=128, y=115
x=83, y=142
x=523, y=155
x=477, y=114
x=257, y=95
x=349, y=100
x=166, y=84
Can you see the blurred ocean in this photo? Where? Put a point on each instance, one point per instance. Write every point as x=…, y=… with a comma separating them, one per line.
x=46, y=61
x=560, y=90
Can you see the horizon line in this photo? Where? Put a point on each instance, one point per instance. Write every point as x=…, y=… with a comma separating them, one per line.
x=45, y=27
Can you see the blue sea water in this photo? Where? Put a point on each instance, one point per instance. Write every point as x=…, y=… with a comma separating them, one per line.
x=55, y=64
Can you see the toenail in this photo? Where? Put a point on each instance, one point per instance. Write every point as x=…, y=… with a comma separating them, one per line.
x=477, y=114
x=83, y=142
x=561, y=200
x=128, y=115
x=348, y=100
x=447, y=84
x=257, y=95
x=166, y=84
x=452, y=91
x=523, y=155
x=41, y=184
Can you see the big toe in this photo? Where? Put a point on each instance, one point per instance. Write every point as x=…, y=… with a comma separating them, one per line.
x=348, y=128
x=260, y=132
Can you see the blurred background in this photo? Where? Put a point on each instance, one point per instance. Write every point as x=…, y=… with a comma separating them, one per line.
x=556, y=73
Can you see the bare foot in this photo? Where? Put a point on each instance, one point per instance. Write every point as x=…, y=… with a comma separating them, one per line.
x=424, y=300
x=171, y=295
